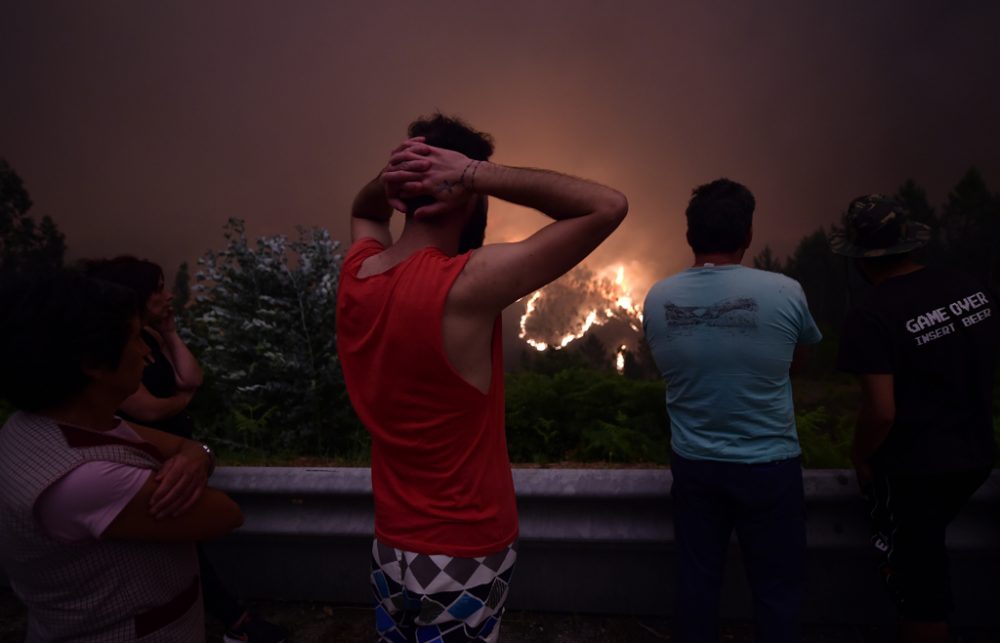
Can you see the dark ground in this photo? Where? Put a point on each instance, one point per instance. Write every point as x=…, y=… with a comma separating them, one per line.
x=318, y=623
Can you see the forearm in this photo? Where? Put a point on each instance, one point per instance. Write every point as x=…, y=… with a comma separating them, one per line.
x=876, y=416
x=870, y=432
x=371, y=203
x=213, y=516
x=558, y=196
x=186, y=369
x=370, y=214
x=145, y=407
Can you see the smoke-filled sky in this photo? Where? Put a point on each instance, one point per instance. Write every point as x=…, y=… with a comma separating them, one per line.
x=141, y=127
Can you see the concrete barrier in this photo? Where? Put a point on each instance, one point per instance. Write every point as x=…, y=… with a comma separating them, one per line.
x=593, y=540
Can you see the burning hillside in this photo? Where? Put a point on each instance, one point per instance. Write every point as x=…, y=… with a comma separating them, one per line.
x=569, y=307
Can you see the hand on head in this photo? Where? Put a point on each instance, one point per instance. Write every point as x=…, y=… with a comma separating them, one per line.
x=417, y=171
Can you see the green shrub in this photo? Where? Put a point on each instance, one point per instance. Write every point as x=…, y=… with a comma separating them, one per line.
x=825, y=440
x=585, y=415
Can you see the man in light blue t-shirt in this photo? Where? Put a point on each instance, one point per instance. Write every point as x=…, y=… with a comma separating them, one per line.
x=724, y=337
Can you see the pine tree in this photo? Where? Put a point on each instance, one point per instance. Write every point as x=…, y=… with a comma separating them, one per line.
x=182, y=287
x=24, y=244
x=766, y=260
x=970, y=223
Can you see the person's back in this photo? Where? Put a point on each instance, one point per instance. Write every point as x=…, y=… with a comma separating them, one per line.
x=440, y=471
x=724, y=337
x=936, y=330
x=418, y=333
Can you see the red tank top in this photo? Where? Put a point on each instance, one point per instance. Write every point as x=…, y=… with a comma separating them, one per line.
x=440, y=471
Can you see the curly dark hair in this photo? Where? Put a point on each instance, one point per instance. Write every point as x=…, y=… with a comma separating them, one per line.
x=53, y=325
x=719, y=216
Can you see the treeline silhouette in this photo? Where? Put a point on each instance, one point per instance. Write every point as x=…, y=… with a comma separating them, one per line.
x=965, y=235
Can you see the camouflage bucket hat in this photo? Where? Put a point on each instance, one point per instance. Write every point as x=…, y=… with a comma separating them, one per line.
x=877, y=226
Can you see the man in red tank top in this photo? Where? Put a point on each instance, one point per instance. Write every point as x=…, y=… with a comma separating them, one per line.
x=418, y=332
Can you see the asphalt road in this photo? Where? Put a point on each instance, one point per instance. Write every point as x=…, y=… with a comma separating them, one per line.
x=319, y=623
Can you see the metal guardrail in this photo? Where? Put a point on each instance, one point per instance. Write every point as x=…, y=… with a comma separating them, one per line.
x=593, y=540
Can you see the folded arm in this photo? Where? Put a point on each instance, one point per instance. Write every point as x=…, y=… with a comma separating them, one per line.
x=212, y=516
x=181, y=480
x=174, y=505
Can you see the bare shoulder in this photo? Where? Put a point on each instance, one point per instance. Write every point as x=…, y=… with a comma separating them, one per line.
x=488, y=279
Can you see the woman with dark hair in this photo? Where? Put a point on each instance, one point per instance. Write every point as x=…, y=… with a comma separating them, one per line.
x=98, y=518
x=172, y=375
x=169, y=381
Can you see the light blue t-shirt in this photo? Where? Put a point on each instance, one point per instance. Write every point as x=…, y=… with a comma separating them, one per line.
x=723, y=339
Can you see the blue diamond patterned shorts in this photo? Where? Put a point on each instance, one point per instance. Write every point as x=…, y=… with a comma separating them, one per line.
x=422, y=598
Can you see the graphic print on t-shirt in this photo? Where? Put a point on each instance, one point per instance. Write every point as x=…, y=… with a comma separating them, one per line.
x=941, y=321
x=733, y=315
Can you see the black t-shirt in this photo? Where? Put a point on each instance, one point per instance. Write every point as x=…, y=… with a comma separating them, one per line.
x=937, y=331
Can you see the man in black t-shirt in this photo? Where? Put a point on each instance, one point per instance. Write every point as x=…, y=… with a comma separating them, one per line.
x=924, y=342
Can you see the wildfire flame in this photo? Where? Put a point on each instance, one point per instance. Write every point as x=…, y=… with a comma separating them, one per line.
x=604, y=296
x=528, y=309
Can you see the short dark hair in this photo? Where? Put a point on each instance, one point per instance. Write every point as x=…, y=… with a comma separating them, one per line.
x=719, y=216
x=141, y=276
x=452, y=133
x=54, y=324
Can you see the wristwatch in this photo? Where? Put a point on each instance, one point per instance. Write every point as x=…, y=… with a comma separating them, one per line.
x=211, y=458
